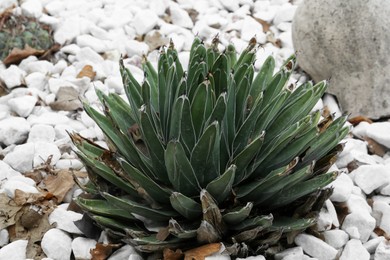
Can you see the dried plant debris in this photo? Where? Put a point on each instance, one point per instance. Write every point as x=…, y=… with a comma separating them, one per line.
x=21, y=37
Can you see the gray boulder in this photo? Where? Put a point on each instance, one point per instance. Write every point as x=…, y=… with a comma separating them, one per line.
x=347, y=42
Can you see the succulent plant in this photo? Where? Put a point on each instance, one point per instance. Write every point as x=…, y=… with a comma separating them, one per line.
x=20, y=31
x=216, y=153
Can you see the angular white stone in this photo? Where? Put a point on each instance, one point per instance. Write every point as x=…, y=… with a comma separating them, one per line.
x=122, y=253
x=361, y=221
x=55, y=7
x=13, y=130
x=332, y=211
x=13, y=184
x=21, y=158
x=380, y=132
x=336, y=238
x=12, y=77
x=115, y=83
x=324, y=221
x=372, y=244
x=81, y=247
x=296, y=252
x=371, y=177
x=57, y=244
x=180, y=17
x=43, y=151
x=354, y=250
x=4, y=237
x=342, y=188
x=218, y=256
x=356, y=203
x=15, y=250
x=315, y=247
x=7, y=172
x=285, y=14
x=69, y=29
x=48, y=118
x=41, y=133
x=64, y=220
x=32, y=8
x=144, y=21
x=86, y=54
x=94, y=43
x=251, y=28
x=134, y=47
x=36, y=80
x=42, y=66
x=382, y=252
x=138, y=257
x=381, y=211
x=23, y=106
x=69, y=164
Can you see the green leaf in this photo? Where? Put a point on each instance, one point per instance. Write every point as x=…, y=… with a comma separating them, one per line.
x=221, y=187
x=290, y=224
x=202, y=160
x=180, y=171
x=103, y=208
x=186, y=206
x=262, y=220
x=154, y=190
x=140, y=209
x=238, y=215
x=201, y=106
x=187, y=130
x=263, y=78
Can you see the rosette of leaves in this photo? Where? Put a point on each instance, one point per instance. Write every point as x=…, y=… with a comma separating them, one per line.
x=214, y=153
x=21, y=32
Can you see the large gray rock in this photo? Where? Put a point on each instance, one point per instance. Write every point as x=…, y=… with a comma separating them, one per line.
x=347, y=42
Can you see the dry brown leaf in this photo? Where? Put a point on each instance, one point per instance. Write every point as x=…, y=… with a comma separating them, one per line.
x=381, y=232
x=102, y=251
x=17, y=55
x=87, y=71
x=67, y=100
x=22, y=198
x=8, y=210
x=201, y=252
x=59, y=184
x=265, y=24
x=358, y=119
x=156, y=40
x=169, y=254
x=374, y=147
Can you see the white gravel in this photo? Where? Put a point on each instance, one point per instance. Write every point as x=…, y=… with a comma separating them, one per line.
x=97, y=33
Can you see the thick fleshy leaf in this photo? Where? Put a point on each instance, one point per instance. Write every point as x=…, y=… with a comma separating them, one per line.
x=221, y=187
x=103, y=208
x=180, y=172
x=201, y=106
x=186, y=206
x=264, y=221
x=238, y=215
x=178, y=231
x=139, y=209
x=263, y=77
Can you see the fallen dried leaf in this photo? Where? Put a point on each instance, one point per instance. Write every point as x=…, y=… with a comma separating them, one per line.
x=59, y=184
x=17, y=55
x=87, y=71
x=169, y=254
x=103, y=251
x=358, y=119
x=8, y=211
x=201, y=252
x=22, y=198
x=156, y=40
x=374, y=147
x=265, y=24
x=67, y=100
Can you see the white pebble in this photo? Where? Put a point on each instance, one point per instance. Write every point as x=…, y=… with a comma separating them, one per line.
x=81, y=247
x=296, y=252
x=382, y=252
x=324, y=221
x=94, y=43
x=21, y=158
x=371, y=177
x=336, y=238
x=122, y=253
x=373, y=243
x=13, y=184
x=381, y=211
x=180, y=17
x=144, y=21
x=380, y=132
x=23, y=106
x=115, y=83
x=4, y=237
x=13, y=76
x=48, y=118
x=86, y=54
x=342, y=188
x=64, y=220
x=354, y=250
x=15, y=250
x=13, y=130
x=36, y=80
x=285, y=14
x=134, y=48
x=69, y=164
x=44, y=150
x=6, y=171
x=32, y=8
x=360, y=221
x=41, y=133
x=315, y=247
x=251, y=28
x=57, y=244
x=42, y=66
x=69, y=29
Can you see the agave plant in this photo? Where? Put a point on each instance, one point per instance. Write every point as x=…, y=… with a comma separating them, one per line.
x=216, y=153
